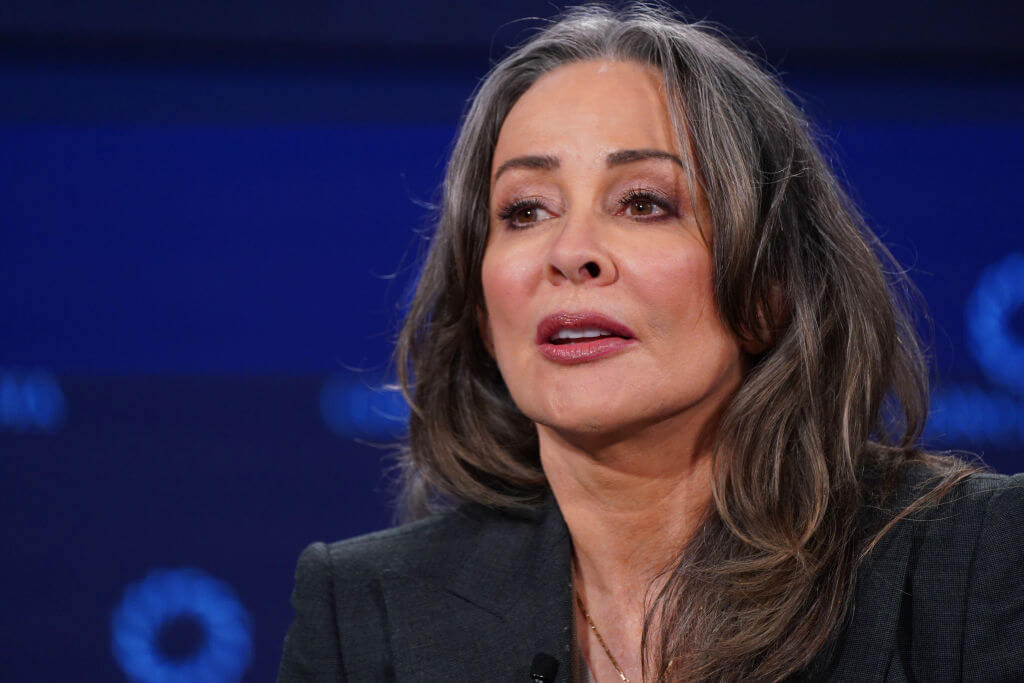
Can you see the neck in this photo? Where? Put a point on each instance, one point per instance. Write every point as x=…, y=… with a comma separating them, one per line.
x=629, y=504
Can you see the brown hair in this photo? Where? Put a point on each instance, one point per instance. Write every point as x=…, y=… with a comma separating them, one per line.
x=827, y=416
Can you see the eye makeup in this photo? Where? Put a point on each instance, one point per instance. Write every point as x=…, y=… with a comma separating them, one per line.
x=641, y=195
x=518, y=206
x=530, y=207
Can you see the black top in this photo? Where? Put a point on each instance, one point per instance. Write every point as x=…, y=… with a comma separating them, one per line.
x=476, y=594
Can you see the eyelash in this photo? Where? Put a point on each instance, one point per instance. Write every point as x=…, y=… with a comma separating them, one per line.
x=634, y=195
x=639, y=194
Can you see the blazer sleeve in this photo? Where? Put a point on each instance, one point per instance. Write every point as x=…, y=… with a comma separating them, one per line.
x=312, y=650
x=993, y=641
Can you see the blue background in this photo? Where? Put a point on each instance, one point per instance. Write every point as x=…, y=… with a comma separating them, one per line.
x=212, y=212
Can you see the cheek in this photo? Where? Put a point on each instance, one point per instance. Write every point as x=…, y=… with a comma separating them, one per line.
x=676, y=287
x=507, y=280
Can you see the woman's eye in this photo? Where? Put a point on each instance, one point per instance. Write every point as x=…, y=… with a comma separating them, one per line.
x=642, y=207
x=522, y=214
x=528, y=214
x=641, y=204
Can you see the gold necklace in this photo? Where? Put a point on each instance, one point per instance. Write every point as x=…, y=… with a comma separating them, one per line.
x=593, y=627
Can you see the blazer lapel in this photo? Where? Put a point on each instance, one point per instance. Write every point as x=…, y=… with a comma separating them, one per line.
x=493, y=605
x=867, y=643
x=864, y=649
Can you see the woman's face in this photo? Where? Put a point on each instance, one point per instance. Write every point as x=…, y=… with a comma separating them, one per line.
x=596, y=276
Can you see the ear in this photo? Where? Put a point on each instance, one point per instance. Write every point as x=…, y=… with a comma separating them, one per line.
x=483, y=325
x=768, y=326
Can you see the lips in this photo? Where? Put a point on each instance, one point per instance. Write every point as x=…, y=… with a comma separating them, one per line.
x=571, y=338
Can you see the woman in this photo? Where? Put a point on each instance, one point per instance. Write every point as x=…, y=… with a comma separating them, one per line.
x=667, y=404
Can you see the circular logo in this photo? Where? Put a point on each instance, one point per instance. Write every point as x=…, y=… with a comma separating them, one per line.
x=997, y=295
x=220, y=650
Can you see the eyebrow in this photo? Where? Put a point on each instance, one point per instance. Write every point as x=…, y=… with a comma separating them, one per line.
x=549, y=163
x=627, y=156
x=536, y=162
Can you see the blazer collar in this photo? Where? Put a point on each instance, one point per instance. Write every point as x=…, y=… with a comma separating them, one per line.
x=515, y=576
x=516, y=556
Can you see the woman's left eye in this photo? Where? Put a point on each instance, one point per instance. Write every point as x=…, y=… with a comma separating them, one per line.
x=642, y=207
x=641, y=203
x=523, y=213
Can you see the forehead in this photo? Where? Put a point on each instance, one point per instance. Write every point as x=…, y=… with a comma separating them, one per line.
x=585, y=110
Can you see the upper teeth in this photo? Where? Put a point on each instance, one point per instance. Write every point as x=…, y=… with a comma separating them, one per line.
x=581, y=333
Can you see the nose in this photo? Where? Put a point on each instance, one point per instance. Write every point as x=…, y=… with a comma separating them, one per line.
x=579, y=256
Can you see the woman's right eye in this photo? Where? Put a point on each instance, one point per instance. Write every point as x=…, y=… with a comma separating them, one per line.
x=520, y=214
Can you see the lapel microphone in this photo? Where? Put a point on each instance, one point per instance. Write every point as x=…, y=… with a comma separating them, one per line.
x=544, y=668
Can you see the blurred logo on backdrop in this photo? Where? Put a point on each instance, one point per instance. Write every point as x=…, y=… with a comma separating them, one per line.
x=354, y=406
x=994, y=414
x=181, y=625
x=30, y=401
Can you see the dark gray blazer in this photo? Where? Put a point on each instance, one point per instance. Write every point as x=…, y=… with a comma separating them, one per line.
x=474, y=594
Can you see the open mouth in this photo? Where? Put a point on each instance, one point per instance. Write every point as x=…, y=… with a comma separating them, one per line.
x=579, y=328
x=577, y=336
x=572, y=338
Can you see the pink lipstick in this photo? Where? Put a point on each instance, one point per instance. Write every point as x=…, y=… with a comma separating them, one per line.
x=571, y=338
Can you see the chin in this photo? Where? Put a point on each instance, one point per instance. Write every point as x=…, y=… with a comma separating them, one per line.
x=584, y=427
x=584, y=418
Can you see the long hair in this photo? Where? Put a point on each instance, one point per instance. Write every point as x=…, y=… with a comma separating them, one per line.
x=826, y=418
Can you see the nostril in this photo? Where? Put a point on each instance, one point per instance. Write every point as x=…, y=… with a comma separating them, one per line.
x=592, y=268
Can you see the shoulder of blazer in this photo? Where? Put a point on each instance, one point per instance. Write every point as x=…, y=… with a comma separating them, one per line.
x=913, y=609
x=964, y=595
x=452, y=548
x=467, y=594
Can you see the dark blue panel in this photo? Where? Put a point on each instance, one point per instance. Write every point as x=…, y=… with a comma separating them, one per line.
x=946, y=198
x=209, y=248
